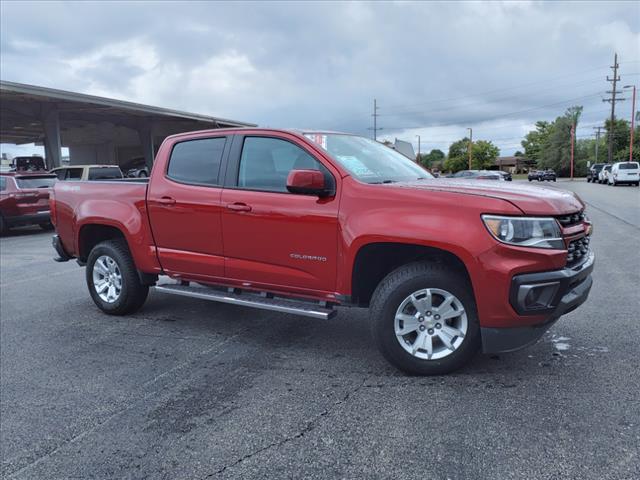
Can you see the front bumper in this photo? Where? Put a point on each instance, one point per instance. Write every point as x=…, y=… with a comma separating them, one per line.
x=552, y=293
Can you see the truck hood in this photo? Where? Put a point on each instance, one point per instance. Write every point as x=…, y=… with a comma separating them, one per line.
x=531, y=199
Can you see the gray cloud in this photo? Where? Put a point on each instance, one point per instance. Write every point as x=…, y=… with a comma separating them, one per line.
x=438, y=67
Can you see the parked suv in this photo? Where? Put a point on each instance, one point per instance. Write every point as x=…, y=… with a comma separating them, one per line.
x=24, y=200
x=603, y=175
x=624, y=173
x=592, y=173
x=88, y=172
x=300, y=222
x=34, y=163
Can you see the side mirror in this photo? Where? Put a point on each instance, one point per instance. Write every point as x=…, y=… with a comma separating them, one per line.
x=308, y=182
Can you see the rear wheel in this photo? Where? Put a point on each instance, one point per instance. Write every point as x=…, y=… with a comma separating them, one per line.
x=424, y=319
x=46, y=226
x=3, y=226
x=113, y=280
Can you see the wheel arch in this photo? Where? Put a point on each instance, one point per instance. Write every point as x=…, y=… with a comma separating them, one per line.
x=91, y=234
x=374, y=261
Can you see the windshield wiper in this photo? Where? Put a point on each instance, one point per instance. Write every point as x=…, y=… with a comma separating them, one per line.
x=382, y=181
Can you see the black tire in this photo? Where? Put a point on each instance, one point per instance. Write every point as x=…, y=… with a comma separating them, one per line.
x=3, y=226
x=397, y=286
x=133, y=294
x=46, y=226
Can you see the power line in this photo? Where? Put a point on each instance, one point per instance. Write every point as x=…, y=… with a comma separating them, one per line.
x=482, y=102
x=504, y=114
x=502, y=89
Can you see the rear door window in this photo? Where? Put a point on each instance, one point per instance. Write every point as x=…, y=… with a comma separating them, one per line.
x=3, y=183
x=197, y=161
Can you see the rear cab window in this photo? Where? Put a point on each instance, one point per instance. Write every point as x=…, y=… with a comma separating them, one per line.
x=36, y=182
x=197, y=162
x=104, y=173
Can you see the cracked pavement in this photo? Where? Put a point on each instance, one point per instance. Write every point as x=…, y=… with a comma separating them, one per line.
x=197, y=390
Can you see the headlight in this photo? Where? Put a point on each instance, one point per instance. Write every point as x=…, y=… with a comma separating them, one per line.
x=525, y=231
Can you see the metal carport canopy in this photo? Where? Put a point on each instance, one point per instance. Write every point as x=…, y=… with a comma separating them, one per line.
x=56, y=118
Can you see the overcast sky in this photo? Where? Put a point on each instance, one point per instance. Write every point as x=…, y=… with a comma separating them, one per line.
x=435, y=68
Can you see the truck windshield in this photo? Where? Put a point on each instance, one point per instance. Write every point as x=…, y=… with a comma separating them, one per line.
x=367, y=160
x=36, y=182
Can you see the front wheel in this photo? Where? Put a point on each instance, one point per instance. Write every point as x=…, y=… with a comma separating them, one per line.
x=113, y=280
x=424, y=319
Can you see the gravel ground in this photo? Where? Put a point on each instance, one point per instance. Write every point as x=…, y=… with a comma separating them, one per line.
x=191, y=389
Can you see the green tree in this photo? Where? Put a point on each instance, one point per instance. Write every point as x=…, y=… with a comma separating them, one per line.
x=435, y=156
x=484, y=154
x=458, y=157
x=536, y=140
x=623, y=155
x=550, y=143
x=620, y=139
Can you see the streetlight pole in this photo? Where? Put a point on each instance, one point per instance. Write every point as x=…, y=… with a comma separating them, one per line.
x=470, y=145
x=633, y=118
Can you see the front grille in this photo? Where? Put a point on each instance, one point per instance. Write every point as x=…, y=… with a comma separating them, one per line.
x=572, y=219
x=577, y=251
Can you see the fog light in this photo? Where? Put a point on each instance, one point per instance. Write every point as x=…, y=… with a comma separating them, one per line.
x=537, y=297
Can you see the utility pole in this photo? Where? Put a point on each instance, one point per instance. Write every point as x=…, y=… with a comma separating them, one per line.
x=633, y=120
x=573, y=134
x=418, y=148
x=597, y=129
x=470, y=145
x=375, y=116
x=613, y=100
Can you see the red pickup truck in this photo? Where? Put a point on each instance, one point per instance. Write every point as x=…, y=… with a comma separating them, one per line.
x=302, y=222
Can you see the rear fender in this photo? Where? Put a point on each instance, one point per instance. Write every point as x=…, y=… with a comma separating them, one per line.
x=129, y=219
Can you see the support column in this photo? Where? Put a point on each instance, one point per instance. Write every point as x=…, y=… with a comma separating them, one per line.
x=52, y=144
x=146, y=141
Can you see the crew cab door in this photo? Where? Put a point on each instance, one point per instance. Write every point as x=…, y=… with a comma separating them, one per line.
x=184, y=208
x=272, y=237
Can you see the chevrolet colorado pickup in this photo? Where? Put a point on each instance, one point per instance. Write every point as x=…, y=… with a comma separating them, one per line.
x=302, y=222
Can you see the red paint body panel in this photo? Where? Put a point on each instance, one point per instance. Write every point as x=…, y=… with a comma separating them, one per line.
x=305, y=245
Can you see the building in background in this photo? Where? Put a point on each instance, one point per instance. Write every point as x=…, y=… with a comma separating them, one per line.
x=94, y=129
x=515, y=164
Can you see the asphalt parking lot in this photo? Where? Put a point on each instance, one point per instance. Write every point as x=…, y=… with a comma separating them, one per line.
x=191, y=389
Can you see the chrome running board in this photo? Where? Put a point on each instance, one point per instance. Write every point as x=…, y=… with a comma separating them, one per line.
x=254, y=300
